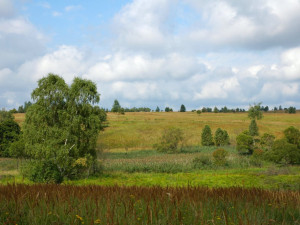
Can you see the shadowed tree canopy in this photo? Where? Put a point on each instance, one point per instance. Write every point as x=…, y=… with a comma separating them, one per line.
x=63, y=124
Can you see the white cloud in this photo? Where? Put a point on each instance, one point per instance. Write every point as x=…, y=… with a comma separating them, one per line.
x=291, y=63
x=56, y=14
x=66, y=61
x=217, y=56
x=144, y=67
x=72, y=8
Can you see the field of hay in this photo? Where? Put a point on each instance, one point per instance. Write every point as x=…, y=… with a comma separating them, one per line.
x=141, y=130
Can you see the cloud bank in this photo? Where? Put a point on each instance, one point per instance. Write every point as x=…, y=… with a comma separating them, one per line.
x=167, y=52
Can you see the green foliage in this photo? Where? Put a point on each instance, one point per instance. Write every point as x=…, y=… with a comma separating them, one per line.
x=267, y=141
x=292, y=136
x=254, y=112
x=291, y=110
x=168, y=109
x=221, y=137
x=62, y=125
x=219, y=156
x=198, y=112
x=17, y=149
x=257, y=153
x=182, y=108
x=253, y=128
x=45, y=171
x=5, y=115
x=244, y=143
x=170, y=141
x=284, y=153
x=116, y=106
x=157, y=109
x=202, y=162
x=206, y=136
x=9, y=132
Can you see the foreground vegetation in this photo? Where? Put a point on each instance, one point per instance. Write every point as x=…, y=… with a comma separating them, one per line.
x=60, y=204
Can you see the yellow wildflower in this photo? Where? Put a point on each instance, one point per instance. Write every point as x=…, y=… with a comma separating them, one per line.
x=97, y=221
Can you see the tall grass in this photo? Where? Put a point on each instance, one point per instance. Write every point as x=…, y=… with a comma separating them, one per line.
x=54, y=204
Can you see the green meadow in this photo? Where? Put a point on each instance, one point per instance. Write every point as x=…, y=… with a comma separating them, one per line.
x=139, y=185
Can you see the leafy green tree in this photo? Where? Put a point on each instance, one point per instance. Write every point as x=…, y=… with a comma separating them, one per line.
x=291, y=110
x=9, y=132
x=206, y=136
x=244, y=143
x=254, y=112
x=292, y=136
x=170, y=141
x=157, y=109
x=283, y=152
x=221, y=137
x=216, y=110
x=62, y=125
x=27, y=105
x=182, y=108
x=116, y=106
x=253, y=128
x=21, y=109
x=6, y=115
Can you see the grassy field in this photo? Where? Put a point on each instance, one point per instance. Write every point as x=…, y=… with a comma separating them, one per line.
x=142, y=186
x=142, y=130
x=136, y=131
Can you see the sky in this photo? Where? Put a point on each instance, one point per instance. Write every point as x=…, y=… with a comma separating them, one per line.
x=200, y=53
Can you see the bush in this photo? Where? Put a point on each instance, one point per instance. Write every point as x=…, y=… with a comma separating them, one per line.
x=198, y=112
x=43, y=172
x=202, y=162
x=257, y=153
x=220, y=156
x=9, y=132
x=221, y=137
x=244, y=143
x=206, y=136
x=292, y=136
x=170, y=141
x=284, y=152
x=267, y=141
x=253, y=128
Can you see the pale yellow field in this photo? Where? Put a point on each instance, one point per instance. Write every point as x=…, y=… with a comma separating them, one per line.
x=141, y=130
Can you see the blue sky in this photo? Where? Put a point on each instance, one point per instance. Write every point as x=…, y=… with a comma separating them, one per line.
x=155, y=53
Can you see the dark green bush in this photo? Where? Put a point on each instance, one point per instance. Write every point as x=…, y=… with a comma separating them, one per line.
x=9, y=132
x=206, y=136
x=220, y=156
x=244, y=143
x=292, y=136
x=202, y=162
x=43, y=172
x=284, y=153
x=267, y=141
x=170, y=141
